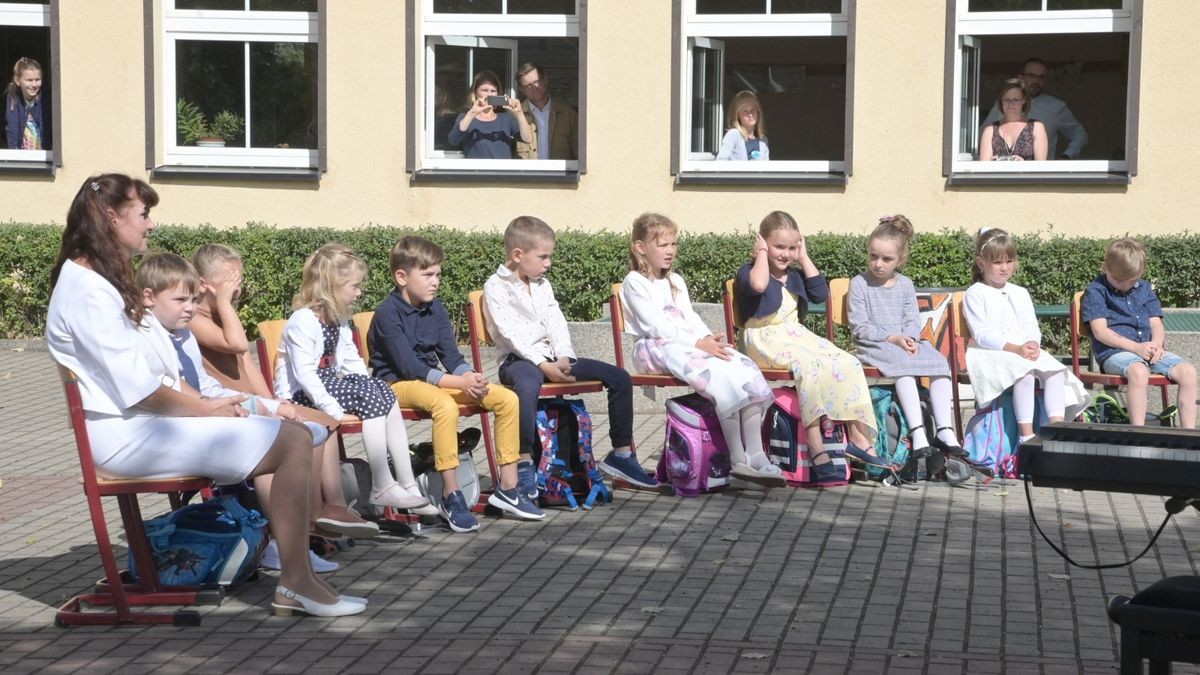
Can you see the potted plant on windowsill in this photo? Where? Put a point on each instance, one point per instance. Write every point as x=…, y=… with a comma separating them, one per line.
x=196, y=129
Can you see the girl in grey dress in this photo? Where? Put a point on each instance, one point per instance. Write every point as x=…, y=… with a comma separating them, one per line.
x=886, y=328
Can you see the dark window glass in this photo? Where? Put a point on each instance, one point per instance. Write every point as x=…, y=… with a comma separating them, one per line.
x=210, y=76
x=255, y=5
x=1083, y=4
x=29, y=42
x=541, y=7
x=1004, y=6
x=731, y=6
x=467, y=6
x=806, y=6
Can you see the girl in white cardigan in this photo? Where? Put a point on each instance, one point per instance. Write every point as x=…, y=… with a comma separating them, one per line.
x=673, y=339
x=319, y=366
x=1006, y=349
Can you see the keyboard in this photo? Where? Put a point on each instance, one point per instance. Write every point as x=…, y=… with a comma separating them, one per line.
x=1114, y=458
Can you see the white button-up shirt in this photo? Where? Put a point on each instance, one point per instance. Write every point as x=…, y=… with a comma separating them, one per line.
x=525, y=319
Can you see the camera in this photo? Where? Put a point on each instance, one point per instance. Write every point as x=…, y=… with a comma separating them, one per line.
x=497, y=101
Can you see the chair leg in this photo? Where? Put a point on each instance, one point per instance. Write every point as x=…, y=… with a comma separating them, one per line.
x=1131, y=651
x=135, y=533
x=489, y=446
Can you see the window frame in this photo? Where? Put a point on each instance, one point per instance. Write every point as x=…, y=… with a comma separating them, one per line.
x=45, y=162
x=688, y=25
x=962, y=23
x=166, y=158
x=426, y=164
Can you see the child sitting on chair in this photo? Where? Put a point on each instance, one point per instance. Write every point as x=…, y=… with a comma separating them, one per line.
x=411, y=340
x=1125, y=317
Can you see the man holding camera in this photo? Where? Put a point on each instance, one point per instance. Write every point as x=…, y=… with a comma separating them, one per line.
x=555, y=124
x=1050, y=111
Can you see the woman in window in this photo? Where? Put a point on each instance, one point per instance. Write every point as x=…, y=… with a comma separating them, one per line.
x=747, y=135
x=1015, y=137
x=26, y=118
x=484, y=132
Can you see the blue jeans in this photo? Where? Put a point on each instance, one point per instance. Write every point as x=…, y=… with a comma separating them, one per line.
x=526, y=380
x=1119, y=363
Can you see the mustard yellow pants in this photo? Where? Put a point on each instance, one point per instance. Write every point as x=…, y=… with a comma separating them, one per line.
x=443, y=404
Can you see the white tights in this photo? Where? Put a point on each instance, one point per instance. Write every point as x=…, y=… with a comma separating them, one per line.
x=939, y=399
x=1053, y=395
x=743, y=435
x=381, y=434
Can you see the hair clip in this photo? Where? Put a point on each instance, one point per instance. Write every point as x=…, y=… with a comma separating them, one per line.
x=985, y=230
x=95, y=186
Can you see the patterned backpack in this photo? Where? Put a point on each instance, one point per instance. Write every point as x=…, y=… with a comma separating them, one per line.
x=695, y=458
x=566, y=468
x=893, y=442
x=991, y=438
x=787, y=445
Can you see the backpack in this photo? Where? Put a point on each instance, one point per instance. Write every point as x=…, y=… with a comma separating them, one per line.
x=695, y=457
x=566, y=468
x=991, y=437
x=786, y=441
x=356, y=477
x=212, y=542
x=1106, y=409
x=893, y=442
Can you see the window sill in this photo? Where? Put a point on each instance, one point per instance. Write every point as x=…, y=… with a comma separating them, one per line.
x=1040, y=178
x=28, y=168
x=493, y=176
x=759, y=178
x=235, y=173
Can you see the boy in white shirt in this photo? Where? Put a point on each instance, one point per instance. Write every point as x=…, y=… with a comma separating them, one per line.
x=531, y=334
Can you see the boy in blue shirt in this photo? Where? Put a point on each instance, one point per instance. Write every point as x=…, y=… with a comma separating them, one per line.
x=411, y=340
x=1125, y=317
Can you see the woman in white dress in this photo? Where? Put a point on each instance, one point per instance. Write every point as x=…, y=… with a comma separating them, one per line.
x=139, y=424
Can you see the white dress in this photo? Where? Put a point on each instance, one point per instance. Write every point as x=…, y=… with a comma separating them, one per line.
x=999, y=316
x=87, y=331
x=668, y=329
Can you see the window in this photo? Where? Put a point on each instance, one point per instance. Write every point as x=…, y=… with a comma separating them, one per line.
x=1085, y=59
x=240, y=84
x=792, y=55
x=458, y=40
x=30, y=143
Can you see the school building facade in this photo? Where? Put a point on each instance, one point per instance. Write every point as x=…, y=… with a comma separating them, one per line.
x=334, y=110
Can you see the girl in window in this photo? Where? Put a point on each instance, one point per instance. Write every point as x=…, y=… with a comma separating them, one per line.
x=26, y=117
x=747, y=135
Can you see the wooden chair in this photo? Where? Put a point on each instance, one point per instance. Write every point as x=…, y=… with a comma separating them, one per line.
x=837, y=312
x=617, y=312
x=1081, y=330
x=362, y=328
x=118, y=589
x=732, y=324
x=477, y=334
x=960, y=337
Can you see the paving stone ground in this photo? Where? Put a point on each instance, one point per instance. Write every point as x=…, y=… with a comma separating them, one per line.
x=849, y=580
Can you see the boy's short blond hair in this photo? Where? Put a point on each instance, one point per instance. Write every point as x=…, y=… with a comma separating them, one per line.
x=207, y=257
x=413, y=252
x=526, y=232
x=1125, y=259
x=163, y=271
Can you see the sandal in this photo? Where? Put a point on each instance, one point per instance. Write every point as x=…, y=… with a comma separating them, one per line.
x=768, y=476
x=948, y=448
x=865, y=456
x=828, y=473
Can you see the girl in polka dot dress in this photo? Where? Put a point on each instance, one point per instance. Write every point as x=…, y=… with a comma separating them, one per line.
x=319, y=366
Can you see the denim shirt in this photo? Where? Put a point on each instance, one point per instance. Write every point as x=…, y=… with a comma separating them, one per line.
x=757, y=305
x=1128, y=314
x=408, y=342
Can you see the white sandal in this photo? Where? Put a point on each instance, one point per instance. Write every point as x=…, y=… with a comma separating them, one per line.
x=343, y=606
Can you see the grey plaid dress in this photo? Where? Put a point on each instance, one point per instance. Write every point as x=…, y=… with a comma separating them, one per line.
x=879, y=311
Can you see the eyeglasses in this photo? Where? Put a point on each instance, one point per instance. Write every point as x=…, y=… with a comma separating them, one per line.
x=748, y=112
x=1014, y=101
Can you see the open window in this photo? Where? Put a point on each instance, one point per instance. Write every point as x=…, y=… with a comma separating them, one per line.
x=239, y=87
x=793, y=56
x=457, y=40
x=30, y=115
x=1084, y=74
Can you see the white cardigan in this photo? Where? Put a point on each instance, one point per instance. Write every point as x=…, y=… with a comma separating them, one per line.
x=733, y=146
x=300, y=352
x=643, y=301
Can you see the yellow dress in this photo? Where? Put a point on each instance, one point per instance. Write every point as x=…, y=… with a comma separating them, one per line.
x=829, y=381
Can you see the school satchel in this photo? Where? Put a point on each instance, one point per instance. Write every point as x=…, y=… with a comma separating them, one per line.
x=892, y=442
x=213, y=542
x=786, y=441
x=695, y=457
x=567, y=474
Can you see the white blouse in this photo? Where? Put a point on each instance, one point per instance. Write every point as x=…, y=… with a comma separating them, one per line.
x=88, y=332
x=525, y=320
x=643, y=301
x=299, y=354
x=999, y=316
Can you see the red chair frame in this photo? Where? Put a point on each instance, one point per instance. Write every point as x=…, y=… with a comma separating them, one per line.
x=617, y=312
x=1080, y=330
x=118, y=589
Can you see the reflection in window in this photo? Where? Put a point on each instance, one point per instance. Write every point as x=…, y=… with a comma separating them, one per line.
x=1036, y=5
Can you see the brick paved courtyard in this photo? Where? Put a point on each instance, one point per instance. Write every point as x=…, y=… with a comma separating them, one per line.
x=855, y=579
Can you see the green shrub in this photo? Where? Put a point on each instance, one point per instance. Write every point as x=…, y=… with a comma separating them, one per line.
x=585, y=266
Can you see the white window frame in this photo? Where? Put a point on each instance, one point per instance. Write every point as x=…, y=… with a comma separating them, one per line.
x=29, y=16
x=975, y=27
x=717, y=26
x=243, y=26
x=484, y=30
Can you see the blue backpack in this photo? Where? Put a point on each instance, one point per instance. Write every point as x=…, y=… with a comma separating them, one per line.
x=893, y=442
x=213, y=542
x=566, y=467
x=991, y=438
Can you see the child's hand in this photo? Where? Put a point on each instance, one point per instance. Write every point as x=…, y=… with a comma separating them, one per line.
x=801, y=253
x=227, y=285
x=904, y=342
x=760, y=245
x=1031, y=350
x=715, y=346
x=555, y=373
x=477, y=386
x=227, y=406
x=288, y=412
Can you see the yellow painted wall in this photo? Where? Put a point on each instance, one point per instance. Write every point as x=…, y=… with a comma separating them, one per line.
x=899, y=58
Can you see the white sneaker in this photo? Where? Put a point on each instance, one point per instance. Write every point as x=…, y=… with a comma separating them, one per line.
x=270, y=560
x=398, y=497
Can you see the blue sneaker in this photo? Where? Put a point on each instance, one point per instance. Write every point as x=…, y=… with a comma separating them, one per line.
x=454, y=509
x=527, y=480
x=515, y=503
x=628, y=469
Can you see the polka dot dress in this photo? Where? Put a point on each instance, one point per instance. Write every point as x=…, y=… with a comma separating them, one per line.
x=360, y=395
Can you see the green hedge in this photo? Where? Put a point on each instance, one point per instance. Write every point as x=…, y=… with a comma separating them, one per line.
x=585, y=265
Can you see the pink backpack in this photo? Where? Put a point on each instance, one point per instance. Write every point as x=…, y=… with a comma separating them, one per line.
x=784, y=437
x=695, y=458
